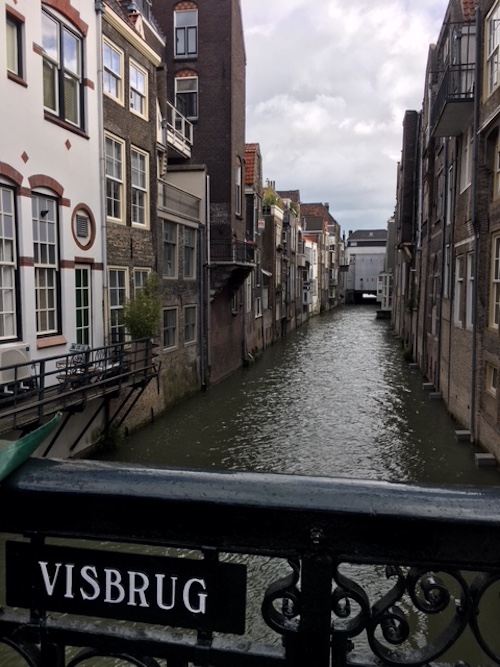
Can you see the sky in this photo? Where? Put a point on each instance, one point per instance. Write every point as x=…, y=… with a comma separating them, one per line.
x=328, y=83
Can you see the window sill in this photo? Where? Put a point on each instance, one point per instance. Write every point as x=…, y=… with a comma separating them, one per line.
x=17, y=79
x=51, y=341
x=64, y=124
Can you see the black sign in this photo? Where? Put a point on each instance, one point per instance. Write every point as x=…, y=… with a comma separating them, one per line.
x=178, y=592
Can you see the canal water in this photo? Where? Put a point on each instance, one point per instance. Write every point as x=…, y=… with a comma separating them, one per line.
x=334, y=398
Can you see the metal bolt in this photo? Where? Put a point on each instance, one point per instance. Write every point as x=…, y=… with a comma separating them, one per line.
x=317, y=535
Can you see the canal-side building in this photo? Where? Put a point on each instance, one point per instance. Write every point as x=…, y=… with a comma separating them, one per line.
x=449, y=223
x=206, y=81
x=366, y=251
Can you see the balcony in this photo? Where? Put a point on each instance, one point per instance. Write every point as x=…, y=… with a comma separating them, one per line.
x=231, y=262
x=178, y=202
x=355, y=572
x=453, y=107
x=177, y=133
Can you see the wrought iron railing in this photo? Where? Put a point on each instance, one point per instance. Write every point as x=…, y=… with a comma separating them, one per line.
x=457, y=85
x=232, y=252
x=367, y=573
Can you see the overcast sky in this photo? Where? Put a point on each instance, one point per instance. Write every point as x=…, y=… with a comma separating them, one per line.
x=328, y=83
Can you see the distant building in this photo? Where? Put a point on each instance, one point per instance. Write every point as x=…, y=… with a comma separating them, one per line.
x=366, y=253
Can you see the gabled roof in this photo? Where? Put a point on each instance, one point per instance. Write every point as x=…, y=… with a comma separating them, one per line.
x=368, y=235
x=293, y=195
x=317, y=210
x=314, y=223
x=252, y=152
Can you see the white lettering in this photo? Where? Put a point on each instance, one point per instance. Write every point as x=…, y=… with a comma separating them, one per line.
x=113, y=580
x=87, y=571
x=159, y=592
x=137, y=588
x=201, y=596
x=49, y=585
x=69, y=580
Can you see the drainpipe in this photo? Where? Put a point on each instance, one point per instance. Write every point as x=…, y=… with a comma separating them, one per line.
x=208, y=307
x=201, y=238
x=475, y=223
x=442, y=270
x=99, y=9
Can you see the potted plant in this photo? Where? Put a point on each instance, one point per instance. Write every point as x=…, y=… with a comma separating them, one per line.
x=141, y=317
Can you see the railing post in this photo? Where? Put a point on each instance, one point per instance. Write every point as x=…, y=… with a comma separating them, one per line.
x=315, y=615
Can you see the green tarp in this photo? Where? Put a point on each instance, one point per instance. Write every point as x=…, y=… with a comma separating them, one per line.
x=15, y=452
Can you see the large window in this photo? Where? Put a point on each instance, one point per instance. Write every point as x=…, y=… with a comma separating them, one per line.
x=237, y=188
x=139, y=162
x=46, y=259
x=491, y=379
x=62, y=70
x=186, y=96
x=83, y=305
x=169, y=327
x=138, y=90
x=117, y=293
x=495, y=284
x=493, y=37
x=459, y=291
x=186, y=33
x=470, y=291
x=14, y=45
x=114, y=178
x=140, y=278
x=189, y=252
x=466, y=161
x=169, y=249
x=113, y=71
x=8, y=320
x=189, y=324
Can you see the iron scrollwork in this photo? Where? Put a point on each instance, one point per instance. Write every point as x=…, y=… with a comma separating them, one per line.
x=284, y=620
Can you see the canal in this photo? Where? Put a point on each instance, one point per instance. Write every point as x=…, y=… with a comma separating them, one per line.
x=334, y=398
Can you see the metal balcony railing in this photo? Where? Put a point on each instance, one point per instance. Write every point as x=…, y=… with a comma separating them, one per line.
x=452, y=108
x=333, y=572
x=177, y=201
x=179, y=132
x=232, y=252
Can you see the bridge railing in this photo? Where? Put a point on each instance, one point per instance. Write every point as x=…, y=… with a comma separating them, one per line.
x=370, y=573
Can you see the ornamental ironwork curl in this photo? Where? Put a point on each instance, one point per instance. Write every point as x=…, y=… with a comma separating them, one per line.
x=283, y=617
x=480, y=587
x=29, y=652
x=87, y=654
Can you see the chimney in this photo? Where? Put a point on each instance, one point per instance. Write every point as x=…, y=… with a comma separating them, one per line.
x=327, y=205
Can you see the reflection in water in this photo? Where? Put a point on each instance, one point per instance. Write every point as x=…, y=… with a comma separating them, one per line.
x=335, y=398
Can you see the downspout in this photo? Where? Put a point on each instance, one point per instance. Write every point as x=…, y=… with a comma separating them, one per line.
x=99, y=9
x=208, y=236
x=475, y=154
x=201, y=238
x=442, y=270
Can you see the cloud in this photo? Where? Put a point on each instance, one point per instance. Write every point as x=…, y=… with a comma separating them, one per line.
x=327, y=87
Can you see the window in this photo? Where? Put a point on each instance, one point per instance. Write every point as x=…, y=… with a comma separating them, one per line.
x=493, y=36
x=169, y=249
x=138, y=90
x=14, y=45
x=258, y=306
x=117, y=292
x=82, y=296
x=189, y=252
x=62, y=71
x=169, y=327
x=186, y=96
x=114, y=178
x=491, y=379
x=466, y=163
x=46, y=259
x=459, y=290
x=8, y=319
x=446, y=274
x=470, y=290
x=139, y=176
x=238, y=190
x=495, y=284
x=140, y=278
x=189, y=324
x=186, y=33
x=450, y=188
x=113, y=71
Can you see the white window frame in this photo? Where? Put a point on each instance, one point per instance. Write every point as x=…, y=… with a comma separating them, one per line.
x=466, y=160
x=470, y=290
x=8, y=264
x=118, y=293
x=62, y=71
x=138, y=84
x=186, y=33
x=491, y=379
x=492, y=49
x=140, y=277
x=459, y=291
x=83, y=305
x=190, y=111
x=14, y=46
x=189, y=253
x=46, y=262
x=113, y=68
x=190, y=324
x=139, y=183
x=115, y=178
x=494, y=317
x=175, y=343
x=238, y=188
x=170, y=243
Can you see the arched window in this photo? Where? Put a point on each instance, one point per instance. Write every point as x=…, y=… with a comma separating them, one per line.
x=186, y=31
